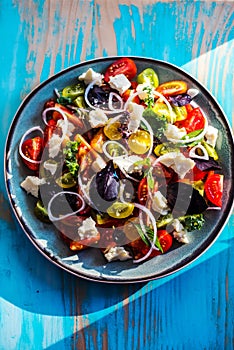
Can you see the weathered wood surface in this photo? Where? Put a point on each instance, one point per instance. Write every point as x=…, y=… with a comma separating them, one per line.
x=43, y=307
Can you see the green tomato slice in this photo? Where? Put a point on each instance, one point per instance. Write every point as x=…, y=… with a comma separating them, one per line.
x=162, y=110
x=120, y=210
x=66, y=181
x=73, y=91
x=148, y=76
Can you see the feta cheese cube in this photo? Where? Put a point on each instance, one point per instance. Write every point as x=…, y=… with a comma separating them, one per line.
x=135, y=114
x=159, y=203
x=120, y=83
x=211, y=135
x=66, y=126
x=97, y=118
x=117, y=253
x=178, y=162
x=174, y=133
x=143, y=94
x=54, y=145
x=179, y=233
x=90, y=75
x=127, y=163
x=87, y=229
x=31, y=185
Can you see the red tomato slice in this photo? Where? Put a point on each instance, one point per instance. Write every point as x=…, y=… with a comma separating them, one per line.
x=174, y=87
x=85, y=243
x=198, y=174
x=142, y=192
x=124, y=66
x=49, y=129
x=165, y=239
x=140, y=249
x=194, y=121
x=32, y=149
x=214, y=188
x=72, y=117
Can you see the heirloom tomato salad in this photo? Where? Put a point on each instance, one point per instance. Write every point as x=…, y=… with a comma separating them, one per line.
x=123, y=162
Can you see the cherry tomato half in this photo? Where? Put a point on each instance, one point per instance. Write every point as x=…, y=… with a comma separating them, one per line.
x=198, y=174
x=85, y=243
x=214, y=188
x=140, y=249
x=174, y=87
x=32, y=149
x=142, y=192
x=124, y=66
x=194, y=121
x=49, y=129
x=165, y=240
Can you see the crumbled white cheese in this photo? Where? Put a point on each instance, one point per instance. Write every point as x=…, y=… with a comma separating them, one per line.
x=31, y=185
x=50, y=166
x=127, y=163
x=159, y=203
x=179, y=233
x=174, y=133
x=90, y=75
x=97, y=118
x=87, y=229
x=117, y=253
x=54, y=145
x=66, y=126
x=120, y=83
x=140, y=88
x=135, y=115
x=178, y=162
x=211, y=135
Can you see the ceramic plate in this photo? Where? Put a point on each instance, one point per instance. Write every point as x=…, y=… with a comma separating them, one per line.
x=90, y=264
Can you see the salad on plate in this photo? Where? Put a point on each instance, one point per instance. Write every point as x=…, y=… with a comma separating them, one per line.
x=124, y=163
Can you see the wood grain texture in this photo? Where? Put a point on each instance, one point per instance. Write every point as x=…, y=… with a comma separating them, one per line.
x=42, y=307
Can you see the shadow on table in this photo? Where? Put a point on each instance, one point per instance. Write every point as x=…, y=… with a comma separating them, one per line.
x=150, y=298
x=30, y=282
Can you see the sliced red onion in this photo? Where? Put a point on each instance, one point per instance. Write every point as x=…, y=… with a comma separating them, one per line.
x=110, y=102
x=145, y=233
x=28, y=132
x=53, y=218
x=213, y=208
x=146, y=256
x=193, y=154
x=88, y=88
x=131, y=97
x=156, y=93
x=52, y=109
x=153, y=221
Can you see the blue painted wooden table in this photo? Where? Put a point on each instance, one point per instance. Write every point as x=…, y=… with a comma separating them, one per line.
x=43, y=307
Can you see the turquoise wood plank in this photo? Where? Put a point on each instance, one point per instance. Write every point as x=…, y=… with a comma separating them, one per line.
x=42, y=307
